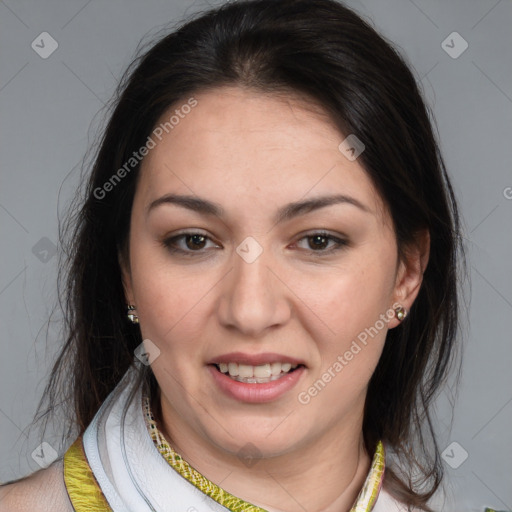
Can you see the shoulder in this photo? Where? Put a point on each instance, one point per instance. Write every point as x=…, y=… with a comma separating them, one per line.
x=42, y=491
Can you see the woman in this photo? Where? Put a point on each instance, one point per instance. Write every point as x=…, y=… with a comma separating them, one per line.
x=262, y=297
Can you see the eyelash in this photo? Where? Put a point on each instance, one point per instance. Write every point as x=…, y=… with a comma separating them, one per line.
x=340, y=244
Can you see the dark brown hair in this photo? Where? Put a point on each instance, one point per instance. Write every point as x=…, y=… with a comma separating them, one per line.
x=322, y=51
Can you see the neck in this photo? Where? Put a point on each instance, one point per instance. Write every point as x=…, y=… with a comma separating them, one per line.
x=322, y=476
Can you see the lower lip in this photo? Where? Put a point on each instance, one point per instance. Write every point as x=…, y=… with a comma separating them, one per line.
x=256, y=393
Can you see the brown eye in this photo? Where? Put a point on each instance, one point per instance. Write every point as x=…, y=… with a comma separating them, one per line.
x=321, y=243
x=318, y=241
x=195, y=241
x=189, y=244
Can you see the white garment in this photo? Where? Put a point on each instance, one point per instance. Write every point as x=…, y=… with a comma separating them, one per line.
x=132, y=473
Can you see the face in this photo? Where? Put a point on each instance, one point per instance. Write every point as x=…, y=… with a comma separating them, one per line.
x=254, y=241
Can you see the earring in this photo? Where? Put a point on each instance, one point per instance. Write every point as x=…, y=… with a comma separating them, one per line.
x=400, y=313
x=132, y=316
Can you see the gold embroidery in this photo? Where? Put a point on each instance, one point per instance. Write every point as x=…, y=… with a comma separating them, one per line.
x=364, y=503
x=86, y=496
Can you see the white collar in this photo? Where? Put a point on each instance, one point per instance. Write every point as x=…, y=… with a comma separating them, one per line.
x=131, y=472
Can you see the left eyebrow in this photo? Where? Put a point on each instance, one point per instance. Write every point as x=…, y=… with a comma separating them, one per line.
x=285, y=213
x=297, y=208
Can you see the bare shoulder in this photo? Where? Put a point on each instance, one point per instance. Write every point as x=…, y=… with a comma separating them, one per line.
x=42, y=491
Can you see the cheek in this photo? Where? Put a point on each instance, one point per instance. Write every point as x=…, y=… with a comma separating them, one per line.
x=350, y=298
x=170, y=302
x=350, y=349
x=168, y=307
x=352, y=302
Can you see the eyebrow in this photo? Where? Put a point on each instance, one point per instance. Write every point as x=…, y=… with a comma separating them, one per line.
x=284, y=213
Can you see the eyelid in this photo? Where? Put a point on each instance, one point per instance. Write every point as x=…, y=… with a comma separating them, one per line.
x=167, y=242
x=339, y=241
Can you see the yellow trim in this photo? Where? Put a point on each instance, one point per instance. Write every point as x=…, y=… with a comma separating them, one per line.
x=364, y=503
x=83, y=489
x=371, y=488
x=193, y=476
x=86, y=495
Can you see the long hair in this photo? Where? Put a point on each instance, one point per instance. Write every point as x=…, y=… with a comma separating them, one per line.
x=330, y=56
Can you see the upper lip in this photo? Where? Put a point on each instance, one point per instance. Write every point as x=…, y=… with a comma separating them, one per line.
x=255, y=359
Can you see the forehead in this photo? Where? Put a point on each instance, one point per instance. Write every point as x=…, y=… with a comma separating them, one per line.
x=237, y=145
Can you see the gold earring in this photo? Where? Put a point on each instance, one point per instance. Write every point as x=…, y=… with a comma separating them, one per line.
x=132, y=316
x=400, y=313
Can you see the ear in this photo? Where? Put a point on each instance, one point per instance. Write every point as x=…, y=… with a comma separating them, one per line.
x=410, y=272
x=126, y=277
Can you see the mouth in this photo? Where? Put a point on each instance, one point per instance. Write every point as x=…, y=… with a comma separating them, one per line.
x=260, y=374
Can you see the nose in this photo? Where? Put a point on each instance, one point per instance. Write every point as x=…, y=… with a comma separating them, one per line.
x=254, y=299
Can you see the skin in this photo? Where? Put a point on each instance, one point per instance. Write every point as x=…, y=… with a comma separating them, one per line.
x=253, y=153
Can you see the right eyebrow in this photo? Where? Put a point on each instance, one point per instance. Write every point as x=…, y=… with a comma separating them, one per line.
x=193, y=203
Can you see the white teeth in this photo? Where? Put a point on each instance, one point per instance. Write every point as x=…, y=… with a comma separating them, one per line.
x=244, y=370
x=261, y=373
x=233, y=369
x=286, y=367
x=276, y=368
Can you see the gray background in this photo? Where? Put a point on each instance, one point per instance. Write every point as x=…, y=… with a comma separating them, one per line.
x=48, y=105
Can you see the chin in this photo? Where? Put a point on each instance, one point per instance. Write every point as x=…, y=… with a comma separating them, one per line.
x=257, y=442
